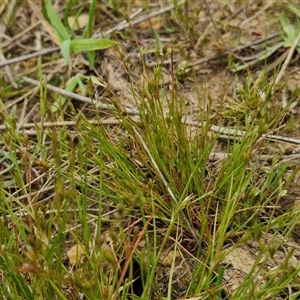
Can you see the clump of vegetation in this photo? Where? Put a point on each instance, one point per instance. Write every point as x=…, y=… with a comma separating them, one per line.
x=122, y=180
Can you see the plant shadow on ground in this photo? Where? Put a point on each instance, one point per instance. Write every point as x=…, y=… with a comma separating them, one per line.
x=175, y=182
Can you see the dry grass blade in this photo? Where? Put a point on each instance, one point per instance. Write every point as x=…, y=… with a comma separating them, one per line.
x=8, y=71
x=76, y=96
x=288, y=59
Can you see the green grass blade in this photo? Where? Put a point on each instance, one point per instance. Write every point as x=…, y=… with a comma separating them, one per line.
x=294, y=10
x=79, y=45
x=54, y=20
x=88, y=32
x=65, y=50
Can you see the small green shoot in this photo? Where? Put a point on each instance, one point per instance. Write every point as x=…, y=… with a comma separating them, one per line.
x=69, y=44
